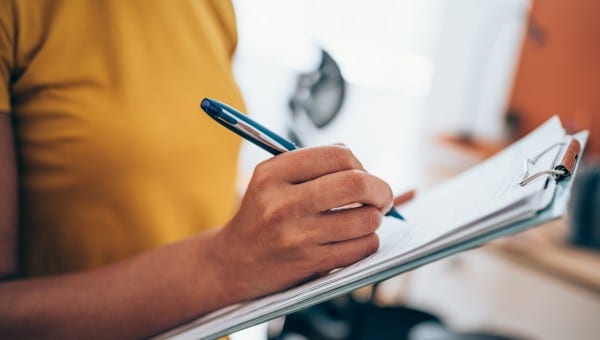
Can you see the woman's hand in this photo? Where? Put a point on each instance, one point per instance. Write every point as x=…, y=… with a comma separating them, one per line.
x=285, y=230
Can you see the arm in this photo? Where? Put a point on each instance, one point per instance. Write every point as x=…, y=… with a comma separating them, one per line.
x=279, y=225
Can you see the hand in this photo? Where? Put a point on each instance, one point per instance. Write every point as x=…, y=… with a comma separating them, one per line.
x=285, y=231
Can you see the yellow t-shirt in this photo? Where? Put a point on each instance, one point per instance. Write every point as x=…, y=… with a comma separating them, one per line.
x=115, y=155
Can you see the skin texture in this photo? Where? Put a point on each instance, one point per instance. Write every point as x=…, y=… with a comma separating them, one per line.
x=284, y=221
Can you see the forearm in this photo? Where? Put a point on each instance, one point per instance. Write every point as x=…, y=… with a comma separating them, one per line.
x=134, y=298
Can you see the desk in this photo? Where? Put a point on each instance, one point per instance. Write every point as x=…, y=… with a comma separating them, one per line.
x=545, y=249
x=480, y=290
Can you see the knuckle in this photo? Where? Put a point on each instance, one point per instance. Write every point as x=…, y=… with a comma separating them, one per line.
x=302, y=259
x=357, y=181
x=262, y=173
x=341, y=157
x=291, y=242
x=371, y=218
x=273, y=212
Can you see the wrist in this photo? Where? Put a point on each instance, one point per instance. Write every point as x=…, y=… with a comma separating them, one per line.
x=211, y=271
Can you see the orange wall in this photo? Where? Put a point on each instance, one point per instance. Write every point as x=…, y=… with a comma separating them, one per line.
x=559, y=70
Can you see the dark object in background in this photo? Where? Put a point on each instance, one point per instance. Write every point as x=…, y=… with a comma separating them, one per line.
x=345, y=319
x=584, y=212
x=435, y=331
x=318, y=95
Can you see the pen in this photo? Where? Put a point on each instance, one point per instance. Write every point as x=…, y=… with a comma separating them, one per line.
x=254, y=132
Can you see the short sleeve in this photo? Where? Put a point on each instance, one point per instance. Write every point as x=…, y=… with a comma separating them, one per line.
x=6, y=52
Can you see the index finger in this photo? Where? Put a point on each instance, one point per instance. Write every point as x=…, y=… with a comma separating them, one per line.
x=309, y=163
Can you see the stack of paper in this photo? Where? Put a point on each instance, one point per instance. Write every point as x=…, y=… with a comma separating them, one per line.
x=485, y=199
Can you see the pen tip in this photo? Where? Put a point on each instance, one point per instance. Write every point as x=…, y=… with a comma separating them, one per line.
x=394, y=213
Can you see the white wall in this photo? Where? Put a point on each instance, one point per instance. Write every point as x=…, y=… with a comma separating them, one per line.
x=436, y=65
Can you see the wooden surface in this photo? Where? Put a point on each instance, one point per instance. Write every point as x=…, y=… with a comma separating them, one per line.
x=546, y=249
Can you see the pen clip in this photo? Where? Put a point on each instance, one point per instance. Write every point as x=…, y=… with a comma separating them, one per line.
x=260, y=136
x=252, y=133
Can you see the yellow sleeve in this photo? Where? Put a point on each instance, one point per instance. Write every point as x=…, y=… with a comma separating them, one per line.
x=6, y=53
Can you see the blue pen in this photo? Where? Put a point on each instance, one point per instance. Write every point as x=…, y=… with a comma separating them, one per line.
x=254, y=132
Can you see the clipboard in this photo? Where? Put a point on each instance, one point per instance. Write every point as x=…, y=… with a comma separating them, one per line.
x=568, y=158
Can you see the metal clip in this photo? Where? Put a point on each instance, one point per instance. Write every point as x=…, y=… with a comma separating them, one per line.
x=561, y=170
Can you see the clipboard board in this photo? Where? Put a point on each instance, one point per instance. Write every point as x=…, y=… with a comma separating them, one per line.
x=568, y=159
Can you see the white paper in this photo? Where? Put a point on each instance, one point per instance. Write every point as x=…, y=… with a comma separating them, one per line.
x=486, y=197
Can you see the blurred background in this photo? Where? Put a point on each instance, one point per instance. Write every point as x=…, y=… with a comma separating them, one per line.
x=422, y=90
